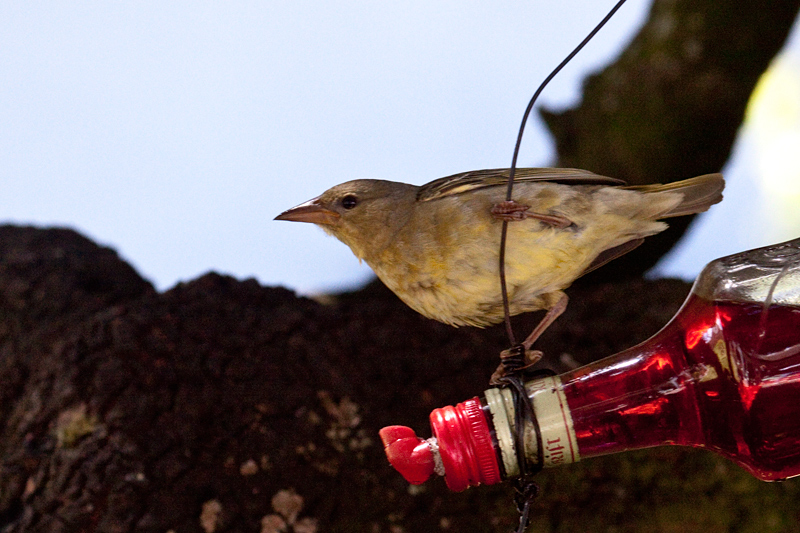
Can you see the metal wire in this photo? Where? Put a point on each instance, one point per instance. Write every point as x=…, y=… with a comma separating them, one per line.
x=510, y=188
x=526, y=488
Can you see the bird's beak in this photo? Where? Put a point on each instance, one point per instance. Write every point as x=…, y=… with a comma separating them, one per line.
x=310, y=211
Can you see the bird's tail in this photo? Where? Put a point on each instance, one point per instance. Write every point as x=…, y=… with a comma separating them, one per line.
x=699, y=194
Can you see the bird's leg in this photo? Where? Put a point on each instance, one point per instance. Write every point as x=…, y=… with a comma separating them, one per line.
x=512, y=211
x=552, y=314
x=521, y=356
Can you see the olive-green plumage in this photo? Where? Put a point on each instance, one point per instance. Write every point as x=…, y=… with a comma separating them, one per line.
x=437, y=246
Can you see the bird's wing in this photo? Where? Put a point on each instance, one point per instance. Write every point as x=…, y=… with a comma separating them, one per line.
x=495, y=177
x=612, y=253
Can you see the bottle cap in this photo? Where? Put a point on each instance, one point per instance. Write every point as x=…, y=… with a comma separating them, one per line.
x=462, y=448
x=465, y=445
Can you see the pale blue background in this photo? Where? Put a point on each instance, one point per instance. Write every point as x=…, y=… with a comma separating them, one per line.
x=175, y=132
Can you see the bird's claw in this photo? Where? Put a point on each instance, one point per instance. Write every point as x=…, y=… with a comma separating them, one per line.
x=514, y=360
x=510, y=211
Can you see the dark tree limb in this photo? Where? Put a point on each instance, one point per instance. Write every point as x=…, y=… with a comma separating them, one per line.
x=670, y=106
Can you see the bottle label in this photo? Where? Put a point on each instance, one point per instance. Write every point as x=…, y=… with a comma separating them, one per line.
x=555, y=423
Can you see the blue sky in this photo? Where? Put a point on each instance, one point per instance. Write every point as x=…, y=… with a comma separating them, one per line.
x=175, y=132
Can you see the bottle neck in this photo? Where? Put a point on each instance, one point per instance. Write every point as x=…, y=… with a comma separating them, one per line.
x=634, y=399
x=638, y=398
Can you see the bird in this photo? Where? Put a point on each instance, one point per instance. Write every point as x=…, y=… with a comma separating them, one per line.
x=437, y=246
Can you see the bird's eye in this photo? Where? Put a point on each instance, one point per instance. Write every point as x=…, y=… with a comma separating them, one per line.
x=349, y=201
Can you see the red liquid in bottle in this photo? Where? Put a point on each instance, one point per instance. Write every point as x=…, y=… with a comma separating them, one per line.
x=724, y=376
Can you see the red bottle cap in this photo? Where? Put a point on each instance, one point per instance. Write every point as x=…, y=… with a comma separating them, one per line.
x=463, y=445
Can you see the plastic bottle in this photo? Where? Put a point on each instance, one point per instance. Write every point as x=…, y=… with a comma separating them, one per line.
x=724, y=375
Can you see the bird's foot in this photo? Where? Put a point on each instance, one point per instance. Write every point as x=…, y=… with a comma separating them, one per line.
x=510, y=210
x=514, y=361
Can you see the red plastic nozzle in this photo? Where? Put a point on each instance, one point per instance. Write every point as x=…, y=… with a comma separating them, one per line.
x=407, y=453
x=464, y=447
